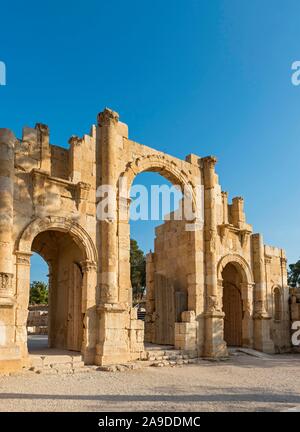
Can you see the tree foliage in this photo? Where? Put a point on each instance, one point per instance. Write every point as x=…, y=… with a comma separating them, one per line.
x=294, y=274
x=38, y=293
x=137, y=270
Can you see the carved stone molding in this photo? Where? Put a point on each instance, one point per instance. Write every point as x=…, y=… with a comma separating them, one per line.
x=6, y=283
x=213, y=304
x=6, y=290
x=23, y=258
x=88, y=266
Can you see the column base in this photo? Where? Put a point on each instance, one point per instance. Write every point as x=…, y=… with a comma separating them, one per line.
x=113, y=344
x=214, y=345
x=262, y=338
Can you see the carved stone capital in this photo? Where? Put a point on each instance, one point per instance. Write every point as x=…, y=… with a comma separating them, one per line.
x=107, y=117
x=213, y=304
x=209, y=161
x=88, y=266
x=42, y=128
x=6, y=288
x=23, y=258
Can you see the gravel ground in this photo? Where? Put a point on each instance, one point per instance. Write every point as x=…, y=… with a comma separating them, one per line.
x=242, y=383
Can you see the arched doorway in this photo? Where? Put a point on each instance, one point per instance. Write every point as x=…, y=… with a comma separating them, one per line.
x=72, y=260
x=232, y=306
x=65, y=318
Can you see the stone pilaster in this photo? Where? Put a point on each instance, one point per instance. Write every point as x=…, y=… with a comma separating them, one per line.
x=214, y=323
x=247, y=322
x=262, y=340
x=89, y=270
x=22, y=294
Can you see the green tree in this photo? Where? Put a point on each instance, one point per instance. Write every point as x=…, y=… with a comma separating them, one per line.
x=137, y=271
x=38, y=293
x=294, y=274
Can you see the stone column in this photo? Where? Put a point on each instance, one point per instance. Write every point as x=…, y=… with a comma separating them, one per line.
x=22, y=293
x=7, y=142
x=107, y=122
x=214, y=322
x=262, y=340
x=113, y=315
x=247, y=323
x=89, y=301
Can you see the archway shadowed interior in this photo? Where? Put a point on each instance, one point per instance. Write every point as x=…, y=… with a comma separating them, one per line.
x=64, y=257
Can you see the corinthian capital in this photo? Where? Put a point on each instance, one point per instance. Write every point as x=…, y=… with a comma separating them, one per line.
x=209, y=161
x=107, y=117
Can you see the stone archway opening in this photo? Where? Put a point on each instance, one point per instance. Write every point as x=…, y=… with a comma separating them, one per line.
x=65, y=318
x=165, y=295
x=232, y=305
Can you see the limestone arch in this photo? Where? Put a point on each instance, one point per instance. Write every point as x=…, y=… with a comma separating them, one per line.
x=162, y=165
x=241, y=265
x=237, y=304
x=56, y=223
x=23, y=251
x=171, y=170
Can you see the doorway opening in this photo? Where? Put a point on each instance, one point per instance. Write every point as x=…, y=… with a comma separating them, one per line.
x=63, y=327
x=163, y=295
x=232, y=305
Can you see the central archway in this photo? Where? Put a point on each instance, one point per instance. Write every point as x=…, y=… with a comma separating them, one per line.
x=163, y=293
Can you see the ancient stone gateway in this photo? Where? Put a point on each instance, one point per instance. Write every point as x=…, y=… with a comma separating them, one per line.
x=210, y=280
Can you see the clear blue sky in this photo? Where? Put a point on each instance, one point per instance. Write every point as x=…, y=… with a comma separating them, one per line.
x=189, y=76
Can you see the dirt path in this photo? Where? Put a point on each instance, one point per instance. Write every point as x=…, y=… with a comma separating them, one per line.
x=242, y=383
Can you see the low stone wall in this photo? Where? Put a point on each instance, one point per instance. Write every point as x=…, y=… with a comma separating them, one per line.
x=37, y=321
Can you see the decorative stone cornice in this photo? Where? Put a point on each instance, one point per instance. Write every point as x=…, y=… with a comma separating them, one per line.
x=107, y=117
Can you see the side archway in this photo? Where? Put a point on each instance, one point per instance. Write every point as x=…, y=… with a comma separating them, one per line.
x=77, y=232
x=236, y=291
x=72, y=259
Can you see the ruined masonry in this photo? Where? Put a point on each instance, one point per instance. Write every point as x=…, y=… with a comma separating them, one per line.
x=209, y=285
